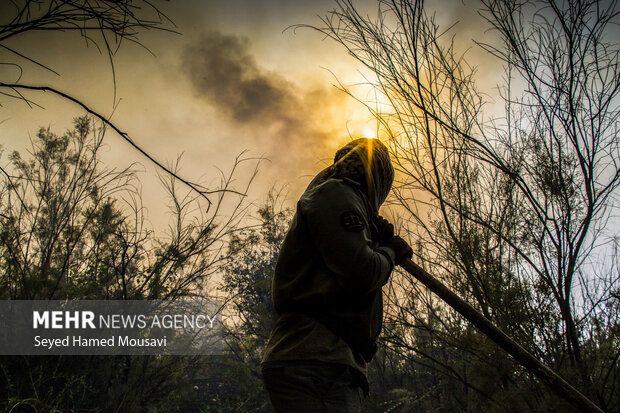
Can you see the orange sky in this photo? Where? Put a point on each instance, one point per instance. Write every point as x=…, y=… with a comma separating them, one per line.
x=234, y=80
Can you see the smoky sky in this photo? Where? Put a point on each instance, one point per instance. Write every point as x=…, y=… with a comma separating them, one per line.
x=278, y=112
x=225, y=74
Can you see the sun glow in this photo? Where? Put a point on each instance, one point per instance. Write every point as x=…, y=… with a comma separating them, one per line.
x=369, y=133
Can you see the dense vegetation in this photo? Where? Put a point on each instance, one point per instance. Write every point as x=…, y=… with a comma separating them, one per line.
x=516, y=213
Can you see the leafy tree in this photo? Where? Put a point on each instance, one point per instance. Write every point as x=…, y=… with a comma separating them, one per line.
x=247, y=290
x=72, y=229
x=247, y=280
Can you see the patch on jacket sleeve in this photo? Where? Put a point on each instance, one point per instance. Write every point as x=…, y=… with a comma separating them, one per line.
x=351, y=221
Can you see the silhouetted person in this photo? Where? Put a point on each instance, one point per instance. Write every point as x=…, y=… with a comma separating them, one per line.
x=336, y=256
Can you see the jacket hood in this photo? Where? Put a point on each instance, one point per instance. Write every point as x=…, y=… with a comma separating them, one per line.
x=366, y=161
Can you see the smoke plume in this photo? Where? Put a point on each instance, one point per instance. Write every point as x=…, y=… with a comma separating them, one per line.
x=293, y=124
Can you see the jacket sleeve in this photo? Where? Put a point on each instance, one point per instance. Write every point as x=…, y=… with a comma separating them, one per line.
x=339, y=224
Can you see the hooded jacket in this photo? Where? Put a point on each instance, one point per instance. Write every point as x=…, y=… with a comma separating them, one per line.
x=328, y=277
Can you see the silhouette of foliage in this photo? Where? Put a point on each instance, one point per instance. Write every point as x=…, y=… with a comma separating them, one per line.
x=73, y=229
x=512, y=212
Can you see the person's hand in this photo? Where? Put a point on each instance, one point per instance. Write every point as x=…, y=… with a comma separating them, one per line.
x=400, y=247
x=384, y=227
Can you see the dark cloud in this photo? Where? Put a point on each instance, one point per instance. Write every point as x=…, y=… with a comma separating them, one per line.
x=292, y=125
x=224, y=73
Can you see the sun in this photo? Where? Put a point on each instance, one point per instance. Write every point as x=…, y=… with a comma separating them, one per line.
x=369, y=133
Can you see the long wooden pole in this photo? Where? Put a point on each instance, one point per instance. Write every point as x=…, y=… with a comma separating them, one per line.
x=544, y=373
